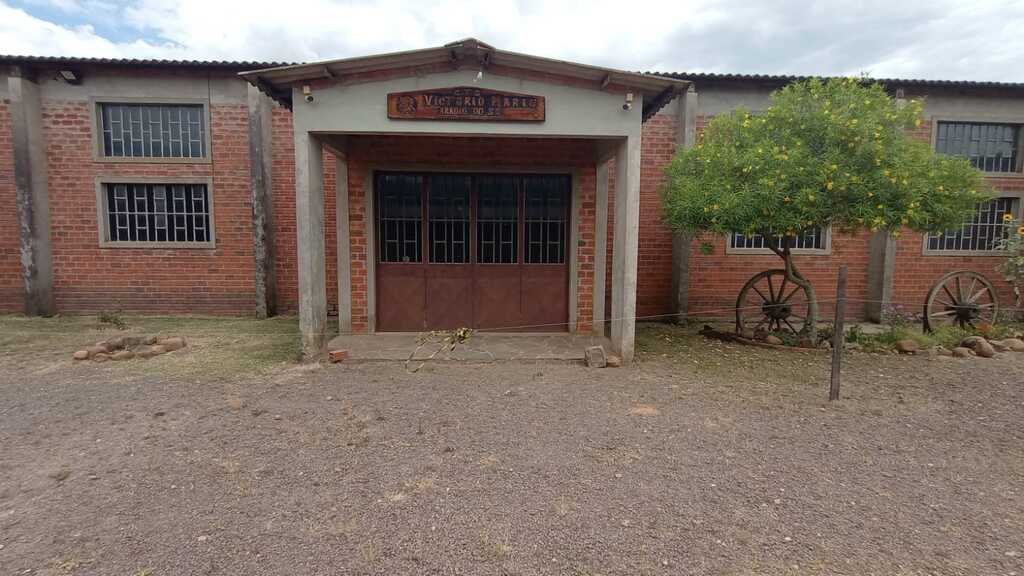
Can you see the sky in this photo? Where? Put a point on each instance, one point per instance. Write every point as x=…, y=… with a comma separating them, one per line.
x=933, y=39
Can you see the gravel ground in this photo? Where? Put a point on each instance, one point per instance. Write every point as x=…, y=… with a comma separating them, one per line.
x=705, y=458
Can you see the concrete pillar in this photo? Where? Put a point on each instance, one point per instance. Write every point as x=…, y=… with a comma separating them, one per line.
x=309, y=224
x=624, y=253
x=261, y=182
x=32, y=194
x=344, y=247
x=600, y=245
x=686, y=135
x=881, y=268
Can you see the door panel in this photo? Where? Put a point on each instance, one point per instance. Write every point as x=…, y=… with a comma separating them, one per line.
x=401, y=297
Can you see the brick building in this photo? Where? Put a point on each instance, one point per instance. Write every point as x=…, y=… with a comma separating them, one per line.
x=458, y=185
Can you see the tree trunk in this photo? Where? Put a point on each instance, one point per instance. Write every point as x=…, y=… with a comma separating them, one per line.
x=793, y=275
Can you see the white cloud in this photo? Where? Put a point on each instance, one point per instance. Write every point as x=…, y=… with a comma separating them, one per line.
x=914, y=38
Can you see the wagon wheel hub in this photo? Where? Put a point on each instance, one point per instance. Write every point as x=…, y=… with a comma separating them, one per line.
x=777, y=311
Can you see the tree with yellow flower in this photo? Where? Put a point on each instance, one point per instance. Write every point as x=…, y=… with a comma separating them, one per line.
x=1013, y=267
x=824, y=153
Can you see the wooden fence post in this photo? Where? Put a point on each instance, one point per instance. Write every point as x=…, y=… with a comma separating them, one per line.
x=838, y=334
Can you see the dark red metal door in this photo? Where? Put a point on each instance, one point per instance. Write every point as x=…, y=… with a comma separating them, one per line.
x=486, y=251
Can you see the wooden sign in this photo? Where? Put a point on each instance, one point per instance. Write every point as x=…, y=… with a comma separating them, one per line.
x=465, y=103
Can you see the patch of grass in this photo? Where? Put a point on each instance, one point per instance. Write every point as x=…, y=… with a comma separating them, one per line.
x=217, y=346
x=113, y=318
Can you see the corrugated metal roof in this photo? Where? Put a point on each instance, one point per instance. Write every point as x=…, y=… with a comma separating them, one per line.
x=785, y=79
x=10, y=59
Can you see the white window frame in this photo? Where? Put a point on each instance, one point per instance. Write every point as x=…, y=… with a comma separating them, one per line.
x=102, y=211
x=824, y=251
x=97, y=131
x=989, y=253
x=986, y=119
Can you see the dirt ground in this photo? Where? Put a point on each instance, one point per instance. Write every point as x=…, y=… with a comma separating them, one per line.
x=703, y=458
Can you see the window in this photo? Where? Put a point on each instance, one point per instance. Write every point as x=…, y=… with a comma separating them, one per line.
x=497, y=220
x=815, y=239
x=979, y=234
x=151, y=213
x=991, y=147
x=448, y=218
x=152, y=130
x=400, y=215
x=546, y=207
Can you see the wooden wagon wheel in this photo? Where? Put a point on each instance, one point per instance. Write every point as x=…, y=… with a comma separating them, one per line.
x=963, y=298
x=770, y=302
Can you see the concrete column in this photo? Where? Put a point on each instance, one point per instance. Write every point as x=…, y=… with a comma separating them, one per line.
x=32, y=194
x=624, y=253
x=309, y=224
x=686, y=135
x=600, y=244
x=881, y=268
x=261, y=182
x=344, y=247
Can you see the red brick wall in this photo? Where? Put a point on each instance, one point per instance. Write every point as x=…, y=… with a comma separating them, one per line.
x=654, y=258
x=484, y=152
x=283, y=186
x=89, y=278
x=11, y=287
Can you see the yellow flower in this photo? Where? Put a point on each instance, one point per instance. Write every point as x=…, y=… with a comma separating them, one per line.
x=1007, y=217
x=1020, y=231
x=829, y=185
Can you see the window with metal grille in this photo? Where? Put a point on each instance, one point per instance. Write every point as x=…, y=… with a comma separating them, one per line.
x=546, y=207
x=990, y=147
x=448, y=218
x=812, y=239
x=152, y=130
x=158, y=213
x=497, y=220
x=982, y=232
x=400, y=217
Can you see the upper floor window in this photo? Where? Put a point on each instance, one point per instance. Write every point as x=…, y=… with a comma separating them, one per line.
x=129, y=130
x=981, y=233
x=990, y=146
x=813, y=240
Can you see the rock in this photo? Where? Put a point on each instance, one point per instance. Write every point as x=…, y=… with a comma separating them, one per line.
x=907, y=346
x=149, y=340
x=961, y=352
x=806, y=342
x=971, y=341
x=747, y=333
x=614, y=361
x=131, y=341
x=853, y=346
x=146, y=352
x=172, y=344
x=1015, y=344
x=123, y=355
x=999, y=345
x=772, y=339
x=101, y=357
x=94, y=350
x=595, y=357
x=158, y=350
x=984, y=349
x=114, y=344
x=760, y=334
x=941, y=351
x=81, y=355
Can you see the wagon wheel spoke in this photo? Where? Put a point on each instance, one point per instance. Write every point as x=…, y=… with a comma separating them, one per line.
x=970, y=290
x=761, y=294
x=940, y=314
x=989, y=305
x=771, y=288
x=791, y=327
x=959, y=290
x=950, y=294
x=795, y=290
x=782, y=286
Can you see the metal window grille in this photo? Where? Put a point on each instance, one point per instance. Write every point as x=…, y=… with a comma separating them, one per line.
x=813, y=239
x=400, y=217
x=497, y=220
x=153, y=130
x=546, y=203
x=158, y=213
x=989, y=147
x=448, y=218
x=982, y=232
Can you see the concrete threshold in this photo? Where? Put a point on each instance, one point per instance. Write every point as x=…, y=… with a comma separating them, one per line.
x=481, y=347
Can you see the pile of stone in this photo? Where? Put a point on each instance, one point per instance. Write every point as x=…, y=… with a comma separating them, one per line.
x=129, y=347
x=970, y=346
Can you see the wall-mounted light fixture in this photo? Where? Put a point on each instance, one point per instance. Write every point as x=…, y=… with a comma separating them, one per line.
x=628, y=105
x=307, y=93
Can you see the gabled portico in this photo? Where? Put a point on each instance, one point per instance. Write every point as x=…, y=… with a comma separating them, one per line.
x=472, y=188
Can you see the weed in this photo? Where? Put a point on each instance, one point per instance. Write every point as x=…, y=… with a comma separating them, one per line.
x=113, y=318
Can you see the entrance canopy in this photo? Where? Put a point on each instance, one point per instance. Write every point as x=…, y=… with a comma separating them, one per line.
x=421, y=129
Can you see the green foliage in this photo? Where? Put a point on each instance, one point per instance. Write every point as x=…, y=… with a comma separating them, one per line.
x=114, y=318
x=1013, y=267
x=833, y=152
